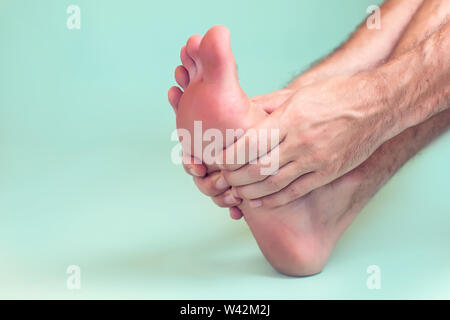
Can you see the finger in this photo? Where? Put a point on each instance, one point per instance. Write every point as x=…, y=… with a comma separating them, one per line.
x=174, y=96
x=182, y=76
x=212, y=185
x=235, y=213
x=272, y=184
x=297, y=189
x=226, y=200
x=192, y=168
x=264, y=167
x=256, y=142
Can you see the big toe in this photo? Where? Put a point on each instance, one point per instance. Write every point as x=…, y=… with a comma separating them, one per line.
x=216, y=54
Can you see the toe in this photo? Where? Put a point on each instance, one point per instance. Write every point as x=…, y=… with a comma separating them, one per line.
x=216, y=54
x=182, y=76
x=192, y=47
x=235, y=213
x=188, y=63
x=174, y=95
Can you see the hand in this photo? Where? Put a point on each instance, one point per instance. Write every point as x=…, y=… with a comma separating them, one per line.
x=325, y=129
x=214, y=186
x=217, y=188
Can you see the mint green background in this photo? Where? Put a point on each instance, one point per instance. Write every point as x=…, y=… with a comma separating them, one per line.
x=86, y=176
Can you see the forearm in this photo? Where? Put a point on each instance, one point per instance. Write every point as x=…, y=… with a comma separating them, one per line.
x=413, y=87
x=366, y=48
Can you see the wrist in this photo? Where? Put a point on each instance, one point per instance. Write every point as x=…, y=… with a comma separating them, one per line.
x=372, y=105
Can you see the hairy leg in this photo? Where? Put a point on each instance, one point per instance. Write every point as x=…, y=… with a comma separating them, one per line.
x=309, y=228
x=430, y=16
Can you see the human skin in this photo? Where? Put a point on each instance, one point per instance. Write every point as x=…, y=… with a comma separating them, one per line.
x=300, y=244
x=364, y=50
x=332, y=126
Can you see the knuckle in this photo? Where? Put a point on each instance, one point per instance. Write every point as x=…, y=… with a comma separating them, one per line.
x=316, y=158
x=231, y=177
x=292, y=193
x=245, y=192
x=274, y=183
x=227, y=174
x=334, y=156
x=295, y=146
x=238, y=191
x=332, y=169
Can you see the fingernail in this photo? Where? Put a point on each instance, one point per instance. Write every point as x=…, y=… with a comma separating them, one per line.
x=229, y=199
x=221, y=183
x=192, y=172
x=255, y=203
x=186, y=159
x=234, y=192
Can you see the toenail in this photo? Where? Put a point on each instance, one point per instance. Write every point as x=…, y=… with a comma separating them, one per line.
x=221, y=183
x=255, y=203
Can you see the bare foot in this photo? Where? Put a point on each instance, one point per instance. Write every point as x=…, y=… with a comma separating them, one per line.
x=296, y=239
x=212, y=93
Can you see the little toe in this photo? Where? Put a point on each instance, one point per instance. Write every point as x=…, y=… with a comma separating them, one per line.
x=182, y=76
